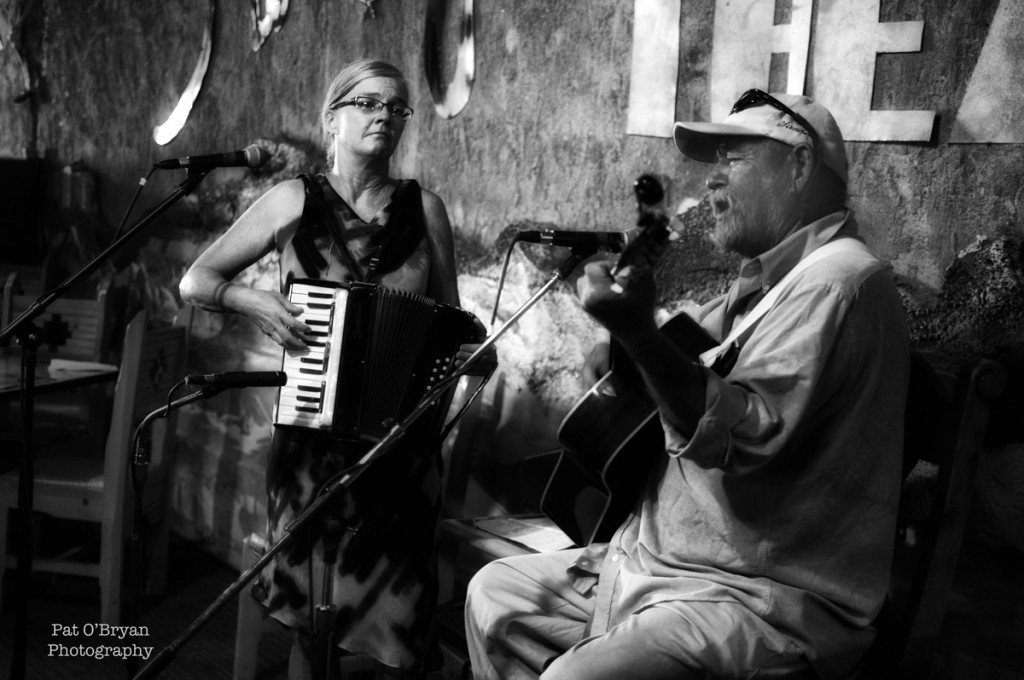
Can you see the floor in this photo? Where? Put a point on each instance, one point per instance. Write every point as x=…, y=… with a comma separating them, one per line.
x=983, y=632
x=62, y=603
x=61, y=646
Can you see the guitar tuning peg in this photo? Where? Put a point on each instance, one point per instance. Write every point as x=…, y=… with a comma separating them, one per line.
x=648, y=190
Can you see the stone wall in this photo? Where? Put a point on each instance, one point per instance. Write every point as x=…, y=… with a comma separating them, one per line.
x=542, y=141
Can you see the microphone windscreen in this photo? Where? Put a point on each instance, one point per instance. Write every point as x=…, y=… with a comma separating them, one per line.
x=630, y=234
x=256, y=156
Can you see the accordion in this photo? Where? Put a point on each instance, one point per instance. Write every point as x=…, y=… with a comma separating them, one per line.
x=377, y=352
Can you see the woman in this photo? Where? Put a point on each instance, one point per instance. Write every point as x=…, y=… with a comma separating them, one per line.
x=354, y=223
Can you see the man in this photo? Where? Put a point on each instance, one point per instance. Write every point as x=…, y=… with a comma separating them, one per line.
x=762, y=543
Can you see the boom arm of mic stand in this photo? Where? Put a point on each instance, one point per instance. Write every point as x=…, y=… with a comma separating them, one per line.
x=341, y=481
x=576, y=256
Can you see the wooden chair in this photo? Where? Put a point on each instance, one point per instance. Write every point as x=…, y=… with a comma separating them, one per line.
x=75, y=329
x=947, y=416
x=10, y=287
x=18, y=279
x=946, y=420
x=249, y=626
x=77, y=485
x=72, y=328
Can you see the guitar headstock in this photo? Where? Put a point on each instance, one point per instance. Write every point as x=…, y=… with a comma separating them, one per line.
x=643, y=252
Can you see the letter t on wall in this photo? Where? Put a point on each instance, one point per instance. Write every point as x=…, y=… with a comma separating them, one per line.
x=744, y=39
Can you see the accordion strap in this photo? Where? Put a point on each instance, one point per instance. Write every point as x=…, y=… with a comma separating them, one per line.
x=405, y=229
x=397, y=241
x=317, y=212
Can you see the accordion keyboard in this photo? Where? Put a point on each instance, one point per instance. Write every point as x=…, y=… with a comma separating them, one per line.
x=308, y=399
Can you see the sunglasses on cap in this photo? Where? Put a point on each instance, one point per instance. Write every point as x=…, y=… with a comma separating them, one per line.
x=755, y=97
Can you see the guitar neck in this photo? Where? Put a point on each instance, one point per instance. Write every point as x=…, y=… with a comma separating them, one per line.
x=682, y=330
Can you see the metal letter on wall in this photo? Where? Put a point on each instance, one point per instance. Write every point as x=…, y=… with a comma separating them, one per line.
x=745, y=38
x=848, y=40
x=449, y=100
x=655, y=69
x=8, y=31
x=169, y=129
x=268, y=16
x=990, y=110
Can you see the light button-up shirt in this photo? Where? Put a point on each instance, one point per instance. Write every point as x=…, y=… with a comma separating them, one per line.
x=784, y=499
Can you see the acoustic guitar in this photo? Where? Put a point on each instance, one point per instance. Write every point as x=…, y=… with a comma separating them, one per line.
x=613, y=434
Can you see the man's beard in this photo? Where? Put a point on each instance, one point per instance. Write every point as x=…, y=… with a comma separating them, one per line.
x=734, y=234
x=739, y=231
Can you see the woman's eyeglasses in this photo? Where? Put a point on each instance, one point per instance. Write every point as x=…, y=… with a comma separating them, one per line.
x=369, y=105
x=752, y=98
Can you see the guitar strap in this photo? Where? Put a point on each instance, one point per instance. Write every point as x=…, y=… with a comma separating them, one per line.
x=727, y=350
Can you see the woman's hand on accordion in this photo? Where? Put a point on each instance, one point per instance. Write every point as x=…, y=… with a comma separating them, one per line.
x=275, y=316
x=486, y=362
x=483, y=365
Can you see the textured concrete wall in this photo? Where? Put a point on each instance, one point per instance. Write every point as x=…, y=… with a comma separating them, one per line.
x=542, y=137
x=541, y=141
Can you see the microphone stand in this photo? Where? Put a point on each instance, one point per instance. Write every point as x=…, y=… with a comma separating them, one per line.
x=29, y=337
x=140, y=469
x=340, y=482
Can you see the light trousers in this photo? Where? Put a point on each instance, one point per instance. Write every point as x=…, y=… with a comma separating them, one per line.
x=524, y=620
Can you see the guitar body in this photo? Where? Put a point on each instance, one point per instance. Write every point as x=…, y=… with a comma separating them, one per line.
x=612, y=437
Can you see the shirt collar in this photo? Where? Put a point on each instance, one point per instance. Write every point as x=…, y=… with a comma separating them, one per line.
x=767, y=269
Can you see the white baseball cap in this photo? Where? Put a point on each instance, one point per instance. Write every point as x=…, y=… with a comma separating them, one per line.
x=784, y=117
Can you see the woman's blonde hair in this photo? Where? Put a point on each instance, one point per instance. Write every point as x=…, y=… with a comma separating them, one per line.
x=350, y=76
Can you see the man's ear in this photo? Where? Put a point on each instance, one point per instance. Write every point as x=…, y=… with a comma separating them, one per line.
x=803, y=166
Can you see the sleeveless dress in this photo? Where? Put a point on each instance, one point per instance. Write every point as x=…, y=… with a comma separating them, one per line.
x=384, y=580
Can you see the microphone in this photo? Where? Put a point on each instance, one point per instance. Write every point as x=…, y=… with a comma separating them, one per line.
x=240, y=379
x=613, y=241
x=251, y=156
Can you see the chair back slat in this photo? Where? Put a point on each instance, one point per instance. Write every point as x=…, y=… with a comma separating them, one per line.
x=72, y=328
x=163, y=361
